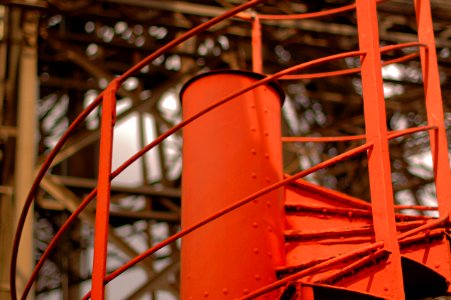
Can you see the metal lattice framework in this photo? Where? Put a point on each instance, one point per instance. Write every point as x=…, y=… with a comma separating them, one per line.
x=84, y=45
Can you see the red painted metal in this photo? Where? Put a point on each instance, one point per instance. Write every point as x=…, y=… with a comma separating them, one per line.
x=376, y=132
x=231, y=208
x=391, y=135
x=257, y=57
x=80, y=118
x=330, y=238
x=318, y=267
x=424, y=227
x=357, y=70
x=230, y=153
x=324, y=196
x=433, y=95
x=416, y=207
x=322, y=139
x=238, y=204
x=103, y=191
x=338, y=259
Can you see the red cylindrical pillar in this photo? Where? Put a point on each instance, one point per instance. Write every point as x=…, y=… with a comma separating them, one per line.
x=229, y=153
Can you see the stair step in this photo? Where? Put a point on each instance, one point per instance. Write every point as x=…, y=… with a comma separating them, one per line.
x=302, y=246
x=354, y=267
x=343, y=267
x=296, y=235
x=313, y=217
x=324, y=212
x=369, y=275
x=320, y=235
x=365, y=277
x=301, y=190
x=288, y=270
x=322, y=224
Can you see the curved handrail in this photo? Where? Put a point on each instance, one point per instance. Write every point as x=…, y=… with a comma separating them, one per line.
x=233, y=207
x=346, y=71
x=303, y=16
x=416, y=207
x=30, y=197
x=389, y=48
x=322, y=139
x=171, y=131
x=399, y=133
x=311, y=15
x=357, y=70
x=46, y=165
x=44, y=168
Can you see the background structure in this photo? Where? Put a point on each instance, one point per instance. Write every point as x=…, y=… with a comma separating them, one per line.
x=57, y=55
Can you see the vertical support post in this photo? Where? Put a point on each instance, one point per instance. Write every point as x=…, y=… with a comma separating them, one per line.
x=376, y=132
x=103, y=191
x=26, y=141
x=434, y=108
x=4, y=19
x=6, y=202
x=257, y=58
x=228, y=154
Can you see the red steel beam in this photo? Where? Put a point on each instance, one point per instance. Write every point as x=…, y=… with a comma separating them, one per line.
x=257, y=57
x=376, y=133
x=103, y=191
x=435, y=116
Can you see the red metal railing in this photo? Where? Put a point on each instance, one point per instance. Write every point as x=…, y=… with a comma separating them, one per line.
x=387, y=239
x=74, y=125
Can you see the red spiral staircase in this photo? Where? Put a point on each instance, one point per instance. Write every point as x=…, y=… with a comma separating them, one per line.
x=251, y=232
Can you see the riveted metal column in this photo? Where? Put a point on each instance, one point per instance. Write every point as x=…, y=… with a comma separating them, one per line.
x=378, y=156
x=431, y=80
x=233, y=151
